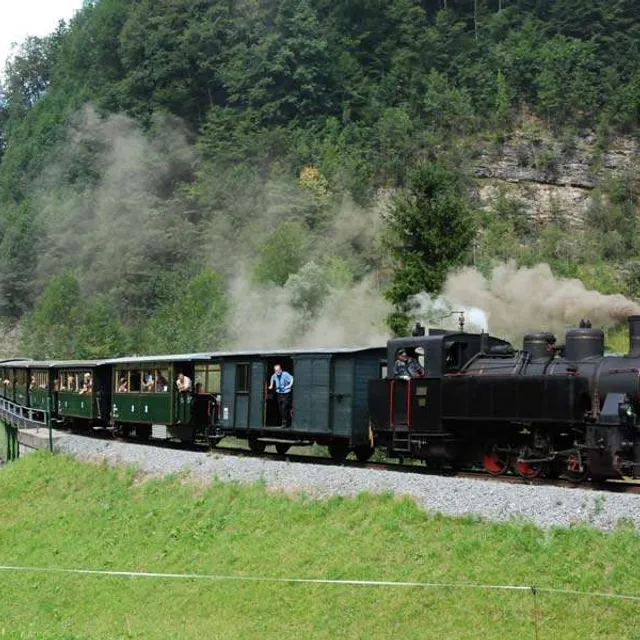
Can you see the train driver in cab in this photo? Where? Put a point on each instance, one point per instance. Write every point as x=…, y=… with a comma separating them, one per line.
x=406, y=367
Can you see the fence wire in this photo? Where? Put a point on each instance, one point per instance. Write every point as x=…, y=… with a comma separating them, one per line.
x=534, y=590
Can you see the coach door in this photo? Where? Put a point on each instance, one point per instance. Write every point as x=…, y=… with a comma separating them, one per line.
x=243, y=385
x=256, y=395
x=342, y=396
x=311, y=395
x=270, y=413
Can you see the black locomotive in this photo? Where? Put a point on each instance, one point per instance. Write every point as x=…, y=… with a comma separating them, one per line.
x=545, y=409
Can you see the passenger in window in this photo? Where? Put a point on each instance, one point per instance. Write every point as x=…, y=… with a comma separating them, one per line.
x=32, y=383
x=406, y=367
x=183, y=383
x=147, y=385
x=71, y=383
x=162, y=385
x=282, y=382
x=56, y=385
x=87, y=384
x=124, y=387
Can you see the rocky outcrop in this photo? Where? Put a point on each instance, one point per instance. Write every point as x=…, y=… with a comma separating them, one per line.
x=550, y=178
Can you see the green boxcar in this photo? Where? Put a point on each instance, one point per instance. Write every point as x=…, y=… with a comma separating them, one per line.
x=329, y=403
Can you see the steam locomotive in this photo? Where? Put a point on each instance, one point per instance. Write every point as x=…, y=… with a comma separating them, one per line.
x=545, y=409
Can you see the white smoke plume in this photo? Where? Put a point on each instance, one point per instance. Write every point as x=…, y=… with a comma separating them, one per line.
x=516, y=300
x=442, y=314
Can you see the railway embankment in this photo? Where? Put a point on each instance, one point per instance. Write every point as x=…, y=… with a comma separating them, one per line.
x=95, y=551
x=496, y=501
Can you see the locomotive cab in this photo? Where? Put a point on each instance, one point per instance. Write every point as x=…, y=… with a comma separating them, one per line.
x=406, y=410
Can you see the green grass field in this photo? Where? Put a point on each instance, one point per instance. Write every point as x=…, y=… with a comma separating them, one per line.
x=56, y=512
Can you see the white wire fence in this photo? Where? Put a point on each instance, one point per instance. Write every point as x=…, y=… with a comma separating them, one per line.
x=533, y=590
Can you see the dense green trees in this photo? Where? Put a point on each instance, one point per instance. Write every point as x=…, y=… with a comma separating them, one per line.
x=230, y=102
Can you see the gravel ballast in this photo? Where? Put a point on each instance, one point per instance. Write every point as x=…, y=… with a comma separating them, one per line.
x=543, y=506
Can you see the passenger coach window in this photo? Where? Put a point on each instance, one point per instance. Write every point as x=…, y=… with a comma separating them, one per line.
x=148, y=381
x=40, y=380
x=242, y=378
x=68, y=381
x=209, y=376
x=161, y=381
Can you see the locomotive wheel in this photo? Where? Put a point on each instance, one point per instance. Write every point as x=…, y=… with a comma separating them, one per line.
x=338, y=451
x=282, y=448
x=363, y=453
x=495, y=462
x=575, y=470
x=528, y=470
x=255, y=446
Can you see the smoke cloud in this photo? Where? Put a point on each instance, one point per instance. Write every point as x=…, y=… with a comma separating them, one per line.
x=517, y=300
x=266, y=317
x=112, y=207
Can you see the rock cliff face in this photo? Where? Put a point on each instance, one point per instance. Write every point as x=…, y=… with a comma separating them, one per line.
x=548, y=178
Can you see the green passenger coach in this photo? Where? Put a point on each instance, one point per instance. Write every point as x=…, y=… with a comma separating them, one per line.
x=144, y=393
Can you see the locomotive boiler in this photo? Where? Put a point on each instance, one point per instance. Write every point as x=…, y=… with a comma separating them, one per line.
x=544, y=409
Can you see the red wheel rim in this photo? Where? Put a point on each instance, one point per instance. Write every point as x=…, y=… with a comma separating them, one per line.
x=493, y=464
x=527, y=470
x=573, y=464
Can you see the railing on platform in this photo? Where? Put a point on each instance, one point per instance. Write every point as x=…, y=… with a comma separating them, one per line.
x=14, y=417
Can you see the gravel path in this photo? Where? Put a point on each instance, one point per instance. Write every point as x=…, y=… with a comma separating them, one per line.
x=544, y=506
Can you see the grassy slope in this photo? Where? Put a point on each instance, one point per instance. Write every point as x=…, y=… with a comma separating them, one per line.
x=58, y=512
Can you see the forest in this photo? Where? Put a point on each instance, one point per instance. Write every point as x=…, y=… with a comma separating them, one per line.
x=186, y=175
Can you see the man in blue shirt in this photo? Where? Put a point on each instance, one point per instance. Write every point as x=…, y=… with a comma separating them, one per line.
x=282, y=382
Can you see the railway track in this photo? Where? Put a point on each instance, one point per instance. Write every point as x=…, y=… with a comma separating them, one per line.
x=614, y=486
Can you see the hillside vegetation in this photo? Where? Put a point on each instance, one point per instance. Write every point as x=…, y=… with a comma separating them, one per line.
x=206, y=163
x=60, y=513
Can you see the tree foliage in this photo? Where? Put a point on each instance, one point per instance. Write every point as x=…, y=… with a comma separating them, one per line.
x=231, y=103
x=431, y=229
x=194, y=319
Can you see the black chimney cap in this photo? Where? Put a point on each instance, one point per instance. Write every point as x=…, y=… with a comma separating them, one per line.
x=418, y=330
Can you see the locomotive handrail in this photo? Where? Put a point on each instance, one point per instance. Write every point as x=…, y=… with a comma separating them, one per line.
x=481, y=354
x=566, y=374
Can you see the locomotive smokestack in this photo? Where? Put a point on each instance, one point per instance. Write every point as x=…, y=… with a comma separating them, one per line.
x=634, y=335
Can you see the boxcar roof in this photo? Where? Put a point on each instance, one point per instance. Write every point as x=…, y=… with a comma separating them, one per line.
x=52, y=364
x=211, y=355
x=294, y=352
x=185, y=357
